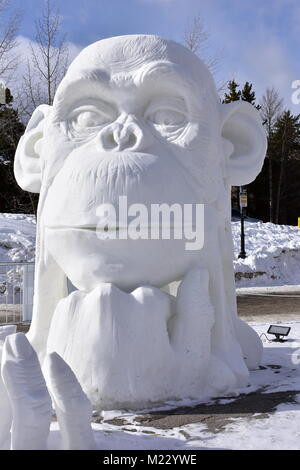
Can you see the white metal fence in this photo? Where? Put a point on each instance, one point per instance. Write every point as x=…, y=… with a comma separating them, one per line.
x=16, y=292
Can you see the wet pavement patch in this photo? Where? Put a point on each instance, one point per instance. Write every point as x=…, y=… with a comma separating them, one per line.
x=215, y=416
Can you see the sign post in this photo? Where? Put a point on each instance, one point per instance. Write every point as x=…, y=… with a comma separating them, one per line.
x=243, y=205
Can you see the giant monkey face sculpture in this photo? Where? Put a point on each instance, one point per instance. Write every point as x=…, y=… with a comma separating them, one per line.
x=136, y=116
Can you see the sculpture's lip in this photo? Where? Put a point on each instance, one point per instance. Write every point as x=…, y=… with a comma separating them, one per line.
x=92, y=228
x=109, y=228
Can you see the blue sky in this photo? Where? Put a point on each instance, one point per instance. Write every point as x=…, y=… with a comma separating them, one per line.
x=258, y=41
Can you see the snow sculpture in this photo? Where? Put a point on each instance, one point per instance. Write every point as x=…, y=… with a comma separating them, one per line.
x=5, y=409
x=28, y=394
x=139, y=117
x=73, y=408
x=27, y=408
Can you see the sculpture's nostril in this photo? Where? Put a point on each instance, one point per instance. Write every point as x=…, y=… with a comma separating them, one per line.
x=110, y=140
x=131, y=141
x=117, y=141
x=120, y=137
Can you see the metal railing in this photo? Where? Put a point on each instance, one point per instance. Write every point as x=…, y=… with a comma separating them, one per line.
x=16, y=292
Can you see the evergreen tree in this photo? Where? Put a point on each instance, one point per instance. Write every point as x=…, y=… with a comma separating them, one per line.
x=284, y=144
x=249, y=95
x=11, y=128
x=287, y=133
x=12, y=198
x=284, y=152
x=234, y=94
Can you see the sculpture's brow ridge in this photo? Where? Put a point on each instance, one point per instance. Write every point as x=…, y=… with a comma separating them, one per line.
x=102, y=79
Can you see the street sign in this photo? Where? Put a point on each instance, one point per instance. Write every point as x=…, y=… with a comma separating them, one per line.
x=243, y=199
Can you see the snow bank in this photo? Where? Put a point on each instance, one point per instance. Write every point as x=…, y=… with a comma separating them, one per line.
x=17, y=237
x=273, y=255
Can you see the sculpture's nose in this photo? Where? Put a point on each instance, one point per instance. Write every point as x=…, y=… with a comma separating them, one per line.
x=125, y=133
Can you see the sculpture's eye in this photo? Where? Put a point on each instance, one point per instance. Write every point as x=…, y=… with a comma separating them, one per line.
x=87, y=119
x=167, y=117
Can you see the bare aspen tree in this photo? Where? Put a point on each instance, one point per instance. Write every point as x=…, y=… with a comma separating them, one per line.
x=195, y=35
x=48, y=61
x=271, y=107
x=196, y=38
x=9, y=26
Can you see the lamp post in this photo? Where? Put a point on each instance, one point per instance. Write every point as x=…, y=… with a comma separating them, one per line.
x=243, y=205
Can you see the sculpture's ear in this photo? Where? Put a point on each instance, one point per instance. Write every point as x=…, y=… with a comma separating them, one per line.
x=27, y=166
x=245, y=142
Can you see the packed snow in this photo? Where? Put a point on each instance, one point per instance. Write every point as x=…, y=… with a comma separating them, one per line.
x=273, y=251
x=278, y=429
x=17, y=237
x=273, y=255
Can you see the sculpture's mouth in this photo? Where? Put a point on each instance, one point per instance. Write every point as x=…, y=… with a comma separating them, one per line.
x=92, y=228
x=113, y=228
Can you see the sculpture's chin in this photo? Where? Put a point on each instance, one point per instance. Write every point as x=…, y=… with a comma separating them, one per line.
x=128, y=345
x=125, y=263
x=144, y=347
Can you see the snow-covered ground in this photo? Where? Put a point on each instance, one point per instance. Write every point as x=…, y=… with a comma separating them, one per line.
x=273, y=251
x=17, y=244
x=257, y=429
x=17, y=237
